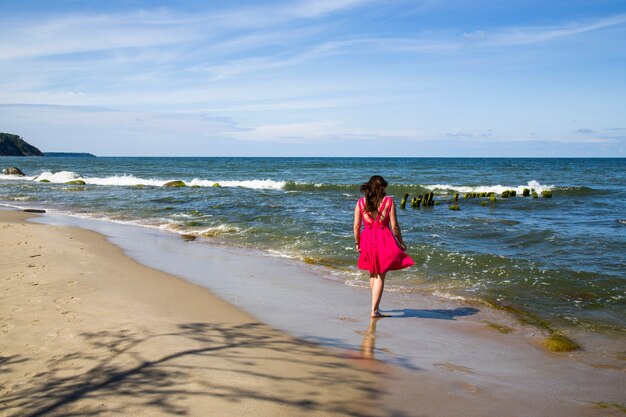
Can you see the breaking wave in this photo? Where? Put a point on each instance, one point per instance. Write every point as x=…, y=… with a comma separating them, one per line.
x=127, y=180
x=498, y=189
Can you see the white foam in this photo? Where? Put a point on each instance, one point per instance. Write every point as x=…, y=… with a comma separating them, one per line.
x=16, y=177
x=57, y=177
x=124, y=180
x=127, y=180
x=498, y=189
x=266, y=184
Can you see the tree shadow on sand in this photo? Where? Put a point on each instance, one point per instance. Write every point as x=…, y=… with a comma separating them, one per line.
x=122, y=372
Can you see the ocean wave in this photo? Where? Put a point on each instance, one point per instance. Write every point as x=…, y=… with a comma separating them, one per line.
x=57, y=177
x=213, y=231
x=15, y=177
x=349, y=190
x=498, y=189
x=18, y=197
x=254, y=184
x=309, y=186
x=128, y=180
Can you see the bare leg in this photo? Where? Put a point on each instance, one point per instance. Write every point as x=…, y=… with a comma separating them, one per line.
x=377, y=285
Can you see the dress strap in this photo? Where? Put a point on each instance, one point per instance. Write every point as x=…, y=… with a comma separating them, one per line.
x=364, y=213
x=381, y=209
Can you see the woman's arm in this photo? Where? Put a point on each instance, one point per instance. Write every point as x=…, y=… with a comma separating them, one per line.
x=357, y=226
x=395, y=226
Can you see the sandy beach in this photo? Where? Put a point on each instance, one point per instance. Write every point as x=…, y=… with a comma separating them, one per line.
x=86, y=330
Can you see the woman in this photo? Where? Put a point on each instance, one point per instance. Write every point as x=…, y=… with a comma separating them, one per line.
x=381, y=248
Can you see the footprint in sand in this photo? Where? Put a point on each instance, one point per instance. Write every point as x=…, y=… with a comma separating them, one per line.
x=71, y=283
x=350, y=319
x=63, y=301
x=68, y=314
x=447, y=366
x=65, y=332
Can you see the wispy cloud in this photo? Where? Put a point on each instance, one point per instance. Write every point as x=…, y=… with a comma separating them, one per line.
x=109, y=131
x=87, y=33
x=459, y=133
x=537, y=34
x=324, y=130
x=316, y=8
x=81, y=33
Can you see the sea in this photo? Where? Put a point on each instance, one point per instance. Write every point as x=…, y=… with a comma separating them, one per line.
x=559, y=256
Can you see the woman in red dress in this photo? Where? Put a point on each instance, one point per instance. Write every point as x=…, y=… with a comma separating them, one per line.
x=380, y=241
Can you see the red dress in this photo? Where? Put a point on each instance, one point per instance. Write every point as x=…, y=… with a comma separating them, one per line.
x=380, y=251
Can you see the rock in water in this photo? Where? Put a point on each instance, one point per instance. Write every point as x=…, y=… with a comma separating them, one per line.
x=13, y=171
x=175, y=184
x=34, y=211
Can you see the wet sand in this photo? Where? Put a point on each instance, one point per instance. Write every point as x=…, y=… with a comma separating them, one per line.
x=86, y=330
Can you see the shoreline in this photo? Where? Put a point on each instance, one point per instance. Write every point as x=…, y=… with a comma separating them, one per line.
x=603, y=348
x=443, y=361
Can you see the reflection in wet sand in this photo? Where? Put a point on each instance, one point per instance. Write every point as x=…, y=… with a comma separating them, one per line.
x=369, y=340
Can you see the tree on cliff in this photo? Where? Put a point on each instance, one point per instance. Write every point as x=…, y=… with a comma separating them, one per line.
x=13, y=145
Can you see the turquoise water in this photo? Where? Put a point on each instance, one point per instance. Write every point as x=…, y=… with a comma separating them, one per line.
x=561, y=258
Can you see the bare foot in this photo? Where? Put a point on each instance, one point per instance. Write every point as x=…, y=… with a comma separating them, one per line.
x=377, y=314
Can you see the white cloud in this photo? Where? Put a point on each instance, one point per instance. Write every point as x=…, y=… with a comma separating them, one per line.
x=314, y=132
x=109, y=131
x=88, y=33
x=537, y=34
x=316, y=8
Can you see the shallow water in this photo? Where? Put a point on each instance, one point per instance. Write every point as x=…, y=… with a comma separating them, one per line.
x=560, y=258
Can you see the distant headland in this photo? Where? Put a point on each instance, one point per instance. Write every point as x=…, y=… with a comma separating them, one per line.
x=13, y=145
x=70, y=154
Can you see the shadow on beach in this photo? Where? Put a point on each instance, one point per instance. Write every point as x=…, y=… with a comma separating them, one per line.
x=251, y=366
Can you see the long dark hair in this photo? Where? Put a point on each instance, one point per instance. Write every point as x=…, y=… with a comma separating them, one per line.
x=374, y=192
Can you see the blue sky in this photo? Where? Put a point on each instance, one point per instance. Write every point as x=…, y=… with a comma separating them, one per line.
x=316, y=78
